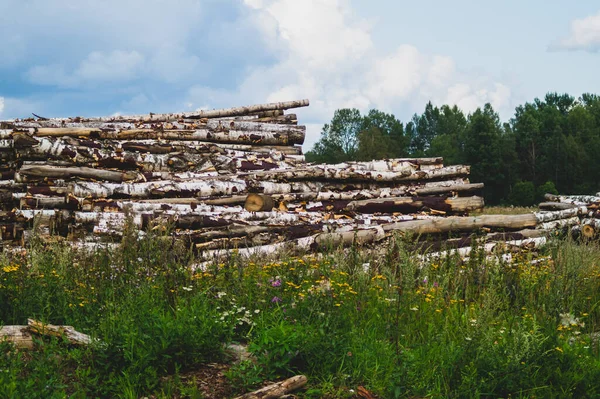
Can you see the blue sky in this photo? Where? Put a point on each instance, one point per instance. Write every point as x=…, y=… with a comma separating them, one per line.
x=66, y=57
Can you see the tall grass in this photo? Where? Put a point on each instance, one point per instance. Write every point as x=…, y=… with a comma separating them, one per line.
x=380, y=319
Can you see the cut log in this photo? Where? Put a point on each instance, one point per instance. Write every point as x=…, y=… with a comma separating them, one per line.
x=559, y=224
x=278, y=389
x=414, y=204
x=573, y=199
x=543, y=217
x=259, y=203
x=459, y=188
x=556, y=206
x=217, y=113
x=333, y=172
x=455, y=223
x=81, y=172
x=499, y=247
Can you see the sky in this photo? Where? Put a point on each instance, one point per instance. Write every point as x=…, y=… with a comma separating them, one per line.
x=92, y=58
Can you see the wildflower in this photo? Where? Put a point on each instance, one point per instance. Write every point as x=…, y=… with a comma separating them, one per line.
x=186, y=288
x=257, y=311
x=275, y=282
x=559, y=349
x=468, y=339
x=414, y=309
x=276, y=299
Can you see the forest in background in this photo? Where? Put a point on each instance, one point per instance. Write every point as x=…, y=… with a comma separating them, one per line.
x=549, y=145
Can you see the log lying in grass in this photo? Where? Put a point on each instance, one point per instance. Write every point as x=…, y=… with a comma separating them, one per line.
x=456, y=223
x=22, y=337
x=487, y=248
x=278, y=389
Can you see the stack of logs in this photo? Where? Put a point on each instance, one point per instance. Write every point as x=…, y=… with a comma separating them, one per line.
x=583, y=210
x=223, y=180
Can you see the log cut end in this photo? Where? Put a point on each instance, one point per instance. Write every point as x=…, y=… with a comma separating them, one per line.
x=259, y=203
x=588, y=231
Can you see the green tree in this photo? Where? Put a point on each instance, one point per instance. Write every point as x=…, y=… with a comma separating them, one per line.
x=351, y=136
x=490, y=153
x=339, y=139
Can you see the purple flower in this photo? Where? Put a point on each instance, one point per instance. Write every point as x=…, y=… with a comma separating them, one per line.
x=435, y=284
x=425, y=280
x=275, y=283
x=276, y=299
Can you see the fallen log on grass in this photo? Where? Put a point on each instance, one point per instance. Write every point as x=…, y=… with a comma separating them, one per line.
x=456, y=223
x=278, y=389
x=22, y=336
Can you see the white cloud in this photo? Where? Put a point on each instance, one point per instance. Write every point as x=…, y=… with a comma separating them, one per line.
x=326, y=54
x=584, y=35
x=1, y=105
x=117, y=65
x=142, y=55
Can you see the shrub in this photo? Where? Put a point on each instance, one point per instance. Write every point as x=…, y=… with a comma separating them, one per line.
x=546, y=188
x=523, y=194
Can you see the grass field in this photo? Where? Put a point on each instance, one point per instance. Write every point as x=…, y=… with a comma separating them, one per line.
x=444, y=329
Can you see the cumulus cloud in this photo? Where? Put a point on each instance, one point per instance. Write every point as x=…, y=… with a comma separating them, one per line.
x=98, y=67
x=326, y=54
x=152, y=55
x=584, y=35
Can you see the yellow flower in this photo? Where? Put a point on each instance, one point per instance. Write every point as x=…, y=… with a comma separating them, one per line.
x=10, y=269
x=559, y=349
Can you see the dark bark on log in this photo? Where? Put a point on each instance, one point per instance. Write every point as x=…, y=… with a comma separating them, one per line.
x=415, y=204
x=79, y=172
x=460, y=188
x=556, y=206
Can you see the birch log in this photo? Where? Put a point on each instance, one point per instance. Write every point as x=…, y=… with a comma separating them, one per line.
x=217, y=113
x=573, y=199
x=543, y=217
x=334, y=172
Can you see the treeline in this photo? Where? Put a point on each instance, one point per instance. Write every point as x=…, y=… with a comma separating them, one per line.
x=550, y=145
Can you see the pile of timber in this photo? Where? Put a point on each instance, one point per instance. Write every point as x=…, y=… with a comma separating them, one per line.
x=223, y=181
x=584, y=210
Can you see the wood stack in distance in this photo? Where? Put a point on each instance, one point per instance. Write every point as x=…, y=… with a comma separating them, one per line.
x=80, y=178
